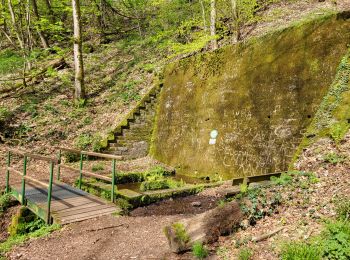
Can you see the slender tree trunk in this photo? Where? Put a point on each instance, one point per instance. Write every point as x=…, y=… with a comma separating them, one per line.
x=235, y=17
x=49, y=7
x=3, y=11
x=42, y=37
x=203, y=15
x=214, y=42
x=78, y=52
x=14, y=25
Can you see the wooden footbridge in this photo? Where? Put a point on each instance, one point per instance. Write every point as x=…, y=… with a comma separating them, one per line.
x=54, y=201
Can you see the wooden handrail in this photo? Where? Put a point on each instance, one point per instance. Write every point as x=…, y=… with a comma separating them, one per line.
x=101, y=155
x=34, y=156
x=15, y=171
x=91, y=174
x=46, y=185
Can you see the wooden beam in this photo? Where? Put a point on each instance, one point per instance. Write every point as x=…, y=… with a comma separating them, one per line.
x=100, y=155
x=91, y=174
x=34, y=156
x=103, y=155
x=15, y=171
x=46, y=185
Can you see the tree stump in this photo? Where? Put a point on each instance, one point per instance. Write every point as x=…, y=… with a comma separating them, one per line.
x=205, y=228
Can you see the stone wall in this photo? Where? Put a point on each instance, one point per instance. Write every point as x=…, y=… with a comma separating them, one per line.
x=259, y=96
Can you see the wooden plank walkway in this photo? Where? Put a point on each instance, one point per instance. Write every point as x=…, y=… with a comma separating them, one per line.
x=68, y=204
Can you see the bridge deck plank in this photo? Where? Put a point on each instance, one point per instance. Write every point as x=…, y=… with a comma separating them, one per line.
x=68, y=203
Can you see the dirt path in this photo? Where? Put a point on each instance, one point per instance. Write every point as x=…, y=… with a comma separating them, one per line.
x=138, y=236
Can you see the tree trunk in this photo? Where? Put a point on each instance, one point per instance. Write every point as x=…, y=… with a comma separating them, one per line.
x=203, y=16
x=235, y=21
x=40, y=32
x=204, y=228
x=78, y=53
x=14, y=25
x=214, y=42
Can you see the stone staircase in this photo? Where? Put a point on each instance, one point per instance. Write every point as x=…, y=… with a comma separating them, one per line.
x=132, y=138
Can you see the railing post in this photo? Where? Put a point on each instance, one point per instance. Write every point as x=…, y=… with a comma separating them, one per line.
x=49, y=194
x=113, y=179
x=8, y=172
x=24, y=180
x=81, y=170
x=59, y=157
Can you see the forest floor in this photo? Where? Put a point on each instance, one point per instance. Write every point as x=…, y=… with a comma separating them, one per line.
x=304, y=209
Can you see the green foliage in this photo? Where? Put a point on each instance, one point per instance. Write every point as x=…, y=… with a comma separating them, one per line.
x=19, y=239
x=97, y=167
x=124, y=205
x=160, y=184
x=180, y=232
x=338, y=130
x=300, y=251
x=199, y=250
x=243, y=187
x=343, y=208
x=10, y=62
x=334, y=158
x=25, y=222
x=335, y=240
x=6, y=201
x=333, y=243
x=4, y=114
x=87, y=141
x=260, y=204
x=84, y=141
x=245, y=254
x=284, y=179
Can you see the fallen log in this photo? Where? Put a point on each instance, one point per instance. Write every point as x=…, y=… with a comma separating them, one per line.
x=205, y=228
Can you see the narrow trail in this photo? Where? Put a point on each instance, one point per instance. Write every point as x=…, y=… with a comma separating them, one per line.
x=138, y=236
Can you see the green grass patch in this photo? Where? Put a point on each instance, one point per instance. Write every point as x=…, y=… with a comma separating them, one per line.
x=245, y=254
x=10, y=62
x=300, y=251
x=161, y=184
x=199, y=250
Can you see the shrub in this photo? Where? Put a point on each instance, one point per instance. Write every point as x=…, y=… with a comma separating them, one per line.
x=199, y=251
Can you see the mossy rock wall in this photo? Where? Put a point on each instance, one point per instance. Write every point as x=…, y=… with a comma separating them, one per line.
x=260, y=96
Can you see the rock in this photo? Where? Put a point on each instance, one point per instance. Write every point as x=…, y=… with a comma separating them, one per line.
x=196, y=204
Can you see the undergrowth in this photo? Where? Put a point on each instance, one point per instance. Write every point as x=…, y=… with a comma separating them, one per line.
x=199, y=250
x=25, y=225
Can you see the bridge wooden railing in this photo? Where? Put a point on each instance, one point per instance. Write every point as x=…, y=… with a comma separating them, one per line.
x=21, y=197
x=83, y=172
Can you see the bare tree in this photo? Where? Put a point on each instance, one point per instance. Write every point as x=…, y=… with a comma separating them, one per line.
x=78, y=52
x=214, y=42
